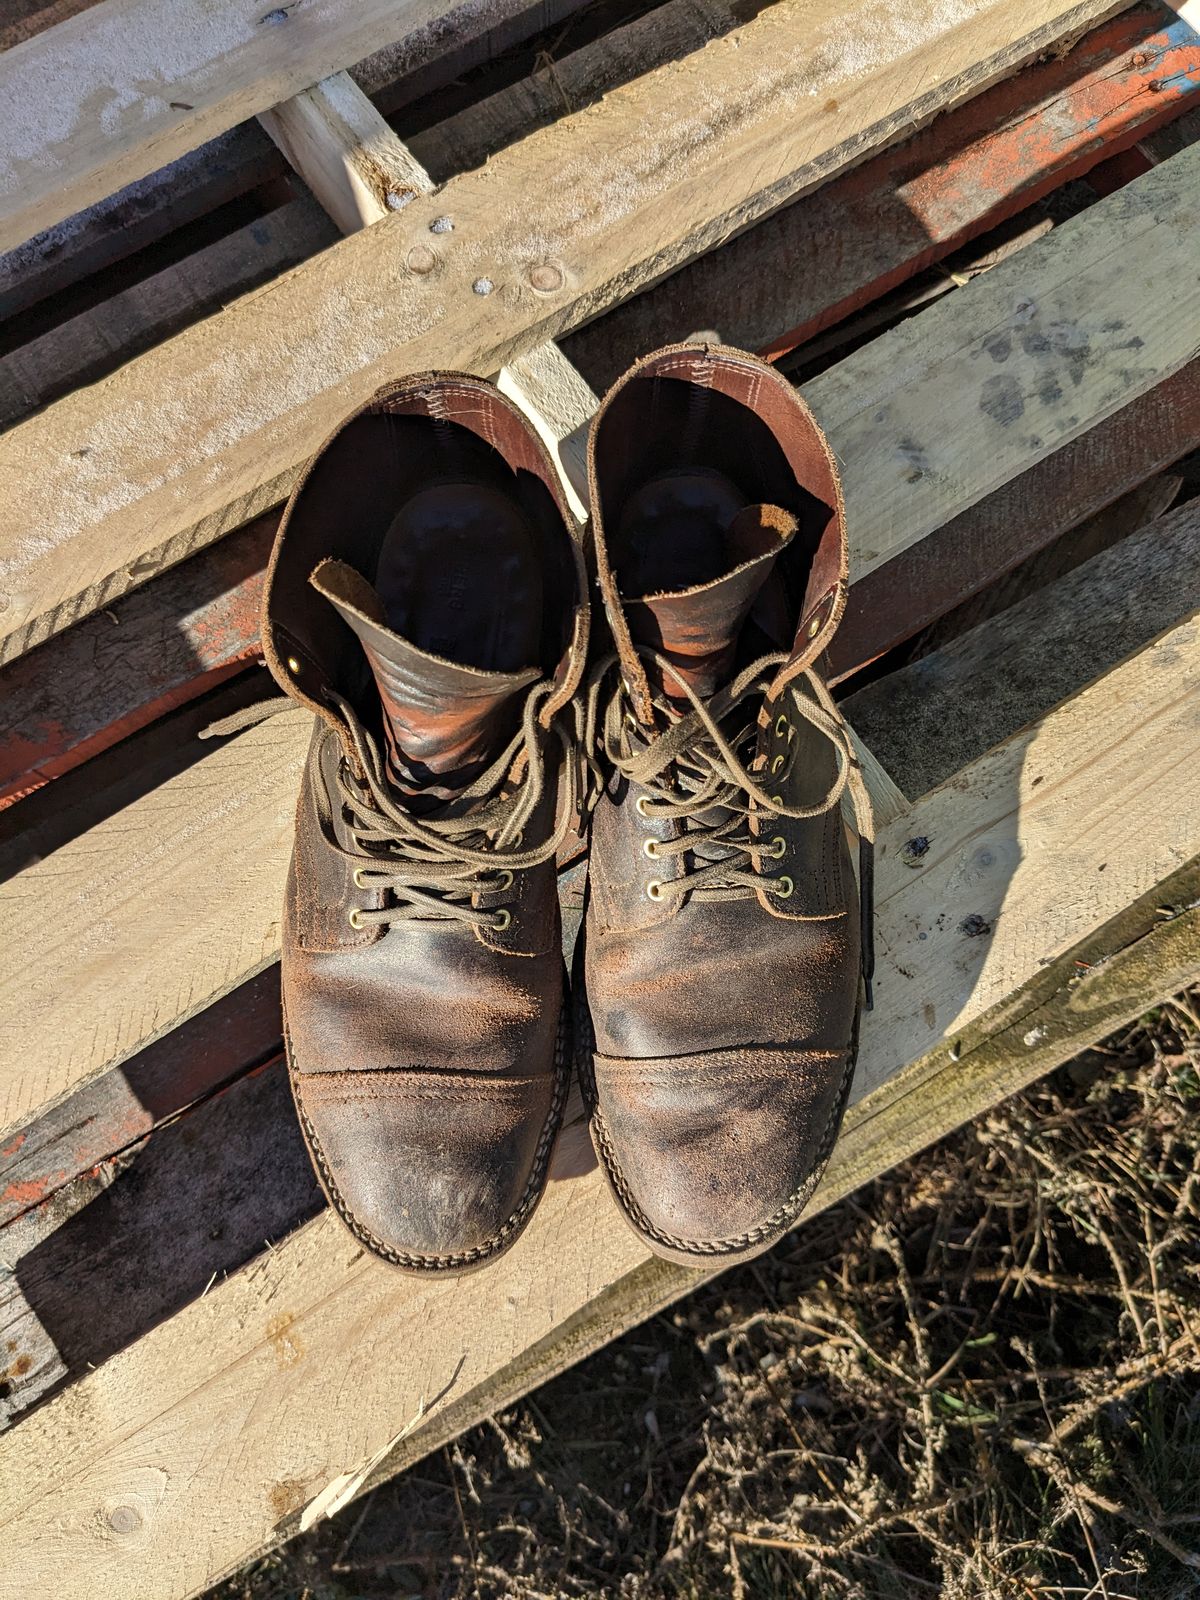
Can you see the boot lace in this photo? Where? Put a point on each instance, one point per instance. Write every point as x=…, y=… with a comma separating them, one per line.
x=432, y=867
x=694, y=769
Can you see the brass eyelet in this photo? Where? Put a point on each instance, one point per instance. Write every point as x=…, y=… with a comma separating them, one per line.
x=782, y=727
x=778, y=848
x=777, y=763
x=354, y=918
x=639, y=805
x=776, y=799
x=650, y=848
x=782, y=887
x=506, y=881
x=502, y=920
x=358, y=879
x=654, y=890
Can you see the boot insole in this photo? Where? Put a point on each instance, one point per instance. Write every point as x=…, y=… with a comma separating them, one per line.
x=674, y=532
x=459, y=576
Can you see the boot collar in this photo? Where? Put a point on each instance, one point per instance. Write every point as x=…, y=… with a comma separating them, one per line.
x=769, y=395
x=299, y=643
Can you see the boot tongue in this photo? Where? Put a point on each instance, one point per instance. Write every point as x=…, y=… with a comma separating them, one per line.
x=443, y=721
x=697, y=628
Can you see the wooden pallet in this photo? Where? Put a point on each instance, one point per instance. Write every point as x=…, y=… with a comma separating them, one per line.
x=194, y=1351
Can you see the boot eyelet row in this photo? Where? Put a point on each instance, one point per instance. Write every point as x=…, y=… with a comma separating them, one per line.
x=639, y=805
x=650, y=848
x=777, y=850
x=506, y=881
x=654, y=890
x=783, y=727
x=358, y=878
x=782, y=888
x=502, y=921
x=777, y=763
x=354, y=918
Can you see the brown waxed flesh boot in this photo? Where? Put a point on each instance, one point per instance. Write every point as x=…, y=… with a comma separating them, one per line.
x=428, y=602
x=725, y=949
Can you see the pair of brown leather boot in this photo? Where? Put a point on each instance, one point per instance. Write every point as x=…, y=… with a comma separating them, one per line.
x=428, y=600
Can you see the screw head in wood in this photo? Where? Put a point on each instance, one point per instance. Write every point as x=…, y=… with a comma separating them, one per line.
x=546, y=278
x=483, y=286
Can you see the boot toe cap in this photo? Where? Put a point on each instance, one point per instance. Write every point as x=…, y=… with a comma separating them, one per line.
x=432, y=1171
x=714, y=1155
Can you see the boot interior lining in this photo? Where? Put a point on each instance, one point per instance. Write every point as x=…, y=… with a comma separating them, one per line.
x=663, y=428
x=470, y=558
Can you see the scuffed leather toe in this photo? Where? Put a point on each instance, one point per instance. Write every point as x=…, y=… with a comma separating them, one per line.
x=432, y=1171
x=716, y=1154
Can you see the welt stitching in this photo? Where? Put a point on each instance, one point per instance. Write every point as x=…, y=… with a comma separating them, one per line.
x=516, y=1220
x=787, y=1212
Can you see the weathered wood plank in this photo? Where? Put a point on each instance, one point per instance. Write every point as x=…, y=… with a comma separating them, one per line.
x=347, y=154
x=361, y=172
x=966, y=172
x=569, y=83
x=560, y=403
x=231, y=1415
x=988, y=539
x=147, y=915
x=218, y=614
x=240, y=160
x=1069, y=329
x=144, y=1233
x=598, y=197
x=23, y=18
x=154, y=649
x=167, y=76
x=122, y=1106
x=142, y=213
x=930, y=717
x=237, y=161
x=814, y=263
x=1149, y=500
x=90, y=345
x=114, y=779
x=959, y=177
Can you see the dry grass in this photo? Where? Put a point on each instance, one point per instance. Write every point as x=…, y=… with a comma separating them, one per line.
x=980, y=1377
